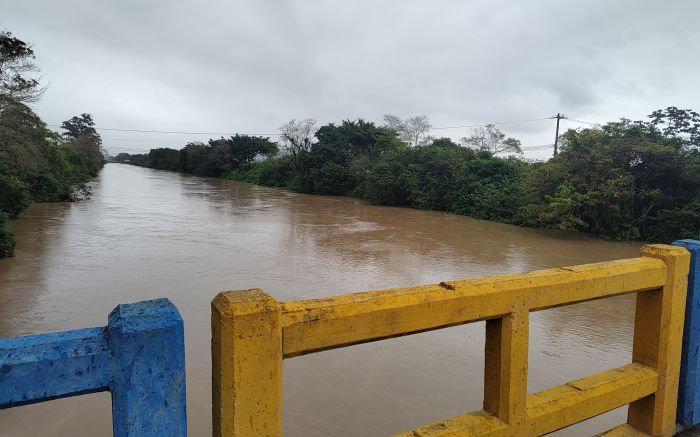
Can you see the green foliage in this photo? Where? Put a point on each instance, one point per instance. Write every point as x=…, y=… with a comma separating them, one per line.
x=17, y=85
x=14, y=195
x=225, y=155
x=562, y=210
x=430, y=175
x=610, y=181
x=679, y=222
x=621, y=181
x=7, y=238
x=164, y=159
x=85, y=141
x=384, y=182
x=271, y=172
x=681, y=125
x=78, y=126
x=490, y=188
x=339, y=161
x=36, y=165
x=219, y=158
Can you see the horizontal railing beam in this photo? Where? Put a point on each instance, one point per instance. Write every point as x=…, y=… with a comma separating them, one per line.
x=319, y=324
x=41, y=367
x=556, y=407
x=139, y=357
x=576, y=401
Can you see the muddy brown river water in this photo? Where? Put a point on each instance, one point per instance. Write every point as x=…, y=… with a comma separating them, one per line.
x=147, y=233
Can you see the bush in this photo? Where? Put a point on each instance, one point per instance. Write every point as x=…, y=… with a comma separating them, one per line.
x=7, y=238
x=489, y=188
x=14, y=195
x=270, y=172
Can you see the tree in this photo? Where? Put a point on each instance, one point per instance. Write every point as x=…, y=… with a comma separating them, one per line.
x=413, y=130
x=490, y=139
x=611, y=181
x=193, y=158
x=488, y=187
x=18, y=82
x=682, y=124
x=230, y=153
x=84, y=139
x=78, y=126
x=164, y=158
x=444, y=143
x=297, y=137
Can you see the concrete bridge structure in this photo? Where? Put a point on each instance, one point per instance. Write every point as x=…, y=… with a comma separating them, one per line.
x=139, y=355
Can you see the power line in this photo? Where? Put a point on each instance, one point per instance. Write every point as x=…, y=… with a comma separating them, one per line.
x=169, y=140
x=112, y=129
x=487, y=124
x=529, y=148
x=540, y=147
x=582, y=121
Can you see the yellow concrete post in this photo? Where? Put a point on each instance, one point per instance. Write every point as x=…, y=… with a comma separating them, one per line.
x=505, y=369
x=658, y=332
x=246, y=364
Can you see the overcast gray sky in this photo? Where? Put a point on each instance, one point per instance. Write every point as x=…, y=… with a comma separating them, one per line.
x=249, y=66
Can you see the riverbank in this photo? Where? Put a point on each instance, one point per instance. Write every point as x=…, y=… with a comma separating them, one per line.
x=621, y=181
x=38, y=165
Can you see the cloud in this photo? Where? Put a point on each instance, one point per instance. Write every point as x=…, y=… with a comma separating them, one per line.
x=251, y=66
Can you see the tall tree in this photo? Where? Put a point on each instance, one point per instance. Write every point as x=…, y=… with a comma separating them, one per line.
x=230, y=153
x=681, y=124
x=79, y=126
x=413, y=130
x=297, y=136
x=490, y=139
x=18, y=72
x=84, y=139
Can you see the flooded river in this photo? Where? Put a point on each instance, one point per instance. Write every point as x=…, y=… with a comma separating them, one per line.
x=147, y=233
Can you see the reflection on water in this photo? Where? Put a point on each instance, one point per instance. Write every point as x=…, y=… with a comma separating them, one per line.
x=148, y=233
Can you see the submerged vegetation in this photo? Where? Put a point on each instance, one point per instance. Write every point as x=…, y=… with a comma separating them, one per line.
x=621, y=181
x=36, y=164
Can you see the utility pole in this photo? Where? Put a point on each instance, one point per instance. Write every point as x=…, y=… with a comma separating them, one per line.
x=556, y=136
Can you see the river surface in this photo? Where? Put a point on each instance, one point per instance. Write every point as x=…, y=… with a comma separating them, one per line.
x=146, y=234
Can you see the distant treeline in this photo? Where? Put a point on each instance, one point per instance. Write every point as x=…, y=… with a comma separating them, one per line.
x=36, y=164
x=621, y=181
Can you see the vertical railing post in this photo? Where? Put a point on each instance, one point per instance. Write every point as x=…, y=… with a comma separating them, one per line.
x=146, y=342
x=658, y=332
x=506, y=362
x=246, y=364
x=689, y=390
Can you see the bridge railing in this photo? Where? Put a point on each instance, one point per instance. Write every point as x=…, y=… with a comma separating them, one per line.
x=139, y=357
x=689, y=390
x=252, y=334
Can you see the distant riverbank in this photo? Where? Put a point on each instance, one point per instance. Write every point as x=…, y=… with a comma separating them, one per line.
x=622, y=181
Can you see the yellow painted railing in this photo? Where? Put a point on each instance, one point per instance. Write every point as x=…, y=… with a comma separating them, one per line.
x=252, y=333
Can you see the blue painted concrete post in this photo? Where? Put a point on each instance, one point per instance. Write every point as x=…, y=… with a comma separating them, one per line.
x=146, y=342
x=688, y=412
